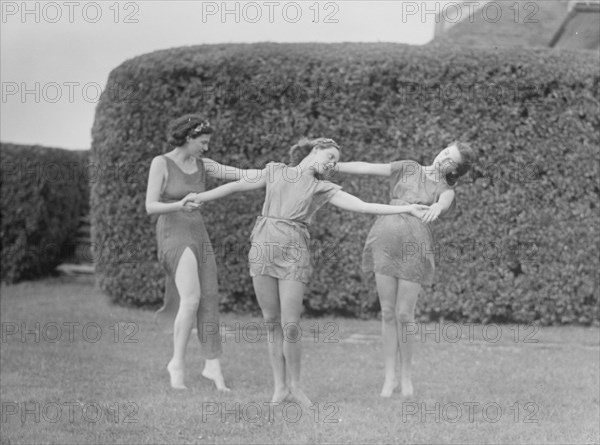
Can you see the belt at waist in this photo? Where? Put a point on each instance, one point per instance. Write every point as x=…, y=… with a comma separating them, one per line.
x=290, y=221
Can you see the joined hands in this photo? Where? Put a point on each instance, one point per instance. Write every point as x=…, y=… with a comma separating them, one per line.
x=191, y=203
x=425, y=213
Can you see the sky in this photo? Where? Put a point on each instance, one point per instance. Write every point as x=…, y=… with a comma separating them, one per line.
x=56, y=56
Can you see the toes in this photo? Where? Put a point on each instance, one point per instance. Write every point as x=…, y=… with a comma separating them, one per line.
x=301, y=397
x=407, y=390
x=218, y=380
x=388, y=389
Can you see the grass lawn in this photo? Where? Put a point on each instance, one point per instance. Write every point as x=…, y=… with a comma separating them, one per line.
x=107, y=383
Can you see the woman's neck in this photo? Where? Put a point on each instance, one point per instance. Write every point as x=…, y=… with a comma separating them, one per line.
x=181, y=154
x=433, y=172
x=306, y=167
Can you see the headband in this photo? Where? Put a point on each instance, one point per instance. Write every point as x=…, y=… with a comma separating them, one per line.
x=200, y=128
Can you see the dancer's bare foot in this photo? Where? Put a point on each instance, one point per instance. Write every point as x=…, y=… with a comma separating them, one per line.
x=280, y=395
x=407, y=388
x=176, y=374
x=388, y=387
x=299, y=396
x=212, y=371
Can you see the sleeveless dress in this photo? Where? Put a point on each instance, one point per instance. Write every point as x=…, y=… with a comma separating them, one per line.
x=177, y=231
x=402, y=245
x=280, y=241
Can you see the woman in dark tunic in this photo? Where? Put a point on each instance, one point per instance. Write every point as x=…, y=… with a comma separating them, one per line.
x=280, y=257
x=400, y=248
x=191, y=290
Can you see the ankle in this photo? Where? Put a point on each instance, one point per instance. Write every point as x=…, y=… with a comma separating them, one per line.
x=175, y=363
x=212, y=364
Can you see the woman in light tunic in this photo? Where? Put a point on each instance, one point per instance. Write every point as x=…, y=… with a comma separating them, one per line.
x=400, y=248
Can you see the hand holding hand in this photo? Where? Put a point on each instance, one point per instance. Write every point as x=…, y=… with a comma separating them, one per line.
x=432, y=214
x=191, y=206
x=418, y=210
x=189, y=198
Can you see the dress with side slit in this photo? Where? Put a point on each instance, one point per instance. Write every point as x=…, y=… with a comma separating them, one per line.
x=177, y=231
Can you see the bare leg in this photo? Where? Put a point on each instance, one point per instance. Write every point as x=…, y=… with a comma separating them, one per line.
x=267, y=294
x=188, y=287
x=408, y=292
x=291, y=294
x=212, y=371
x=387, y=289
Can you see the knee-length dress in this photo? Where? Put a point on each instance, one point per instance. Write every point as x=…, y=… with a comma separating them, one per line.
x=177, y=231
x=402, y=245
x=280, y=241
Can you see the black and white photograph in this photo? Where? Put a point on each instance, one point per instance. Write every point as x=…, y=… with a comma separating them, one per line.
x=300, y=222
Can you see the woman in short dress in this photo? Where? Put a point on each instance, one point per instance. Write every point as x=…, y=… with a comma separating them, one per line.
x=400, y=249
x=191, y=288
x=280, y=258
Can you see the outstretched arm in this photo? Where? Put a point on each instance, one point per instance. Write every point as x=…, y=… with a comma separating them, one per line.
x=229, y=173
x=244, y=184
x=363, y=168
x=350, y=202
x=440, y=207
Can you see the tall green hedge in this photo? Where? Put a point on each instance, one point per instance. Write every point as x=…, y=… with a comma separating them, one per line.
x=43, y=193
x=522, y=244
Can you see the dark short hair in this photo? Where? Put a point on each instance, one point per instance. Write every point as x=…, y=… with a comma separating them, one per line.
x=190, y=125
x=455, y=171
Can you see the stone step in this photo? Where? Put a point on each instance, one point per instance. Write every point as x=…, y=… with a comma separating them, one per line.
x=76, y=269
x=84, y=229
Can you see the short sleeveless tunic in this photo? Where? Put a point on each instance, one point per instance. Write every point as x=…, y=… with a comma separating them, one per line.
x=402, y=245
x=177, y=231
x=280, y=241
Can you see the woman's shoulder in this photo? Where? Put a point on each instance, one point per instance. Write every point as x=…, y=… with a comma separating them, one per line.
x=274, y=171
x=324, y=185
x=160, y=160
x=275, y=166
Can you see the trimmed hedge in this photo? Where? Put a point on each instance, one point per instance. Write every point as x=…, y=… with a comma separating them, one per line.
x=522, y=244
x=44, y=192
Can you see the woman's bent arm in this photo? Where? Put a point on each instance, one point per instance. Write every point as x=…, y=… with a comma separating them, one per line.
x=445, y=200
x=155, y=182
x=440, y=207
